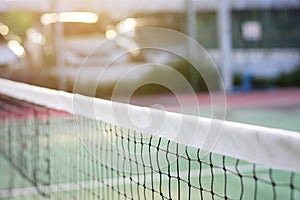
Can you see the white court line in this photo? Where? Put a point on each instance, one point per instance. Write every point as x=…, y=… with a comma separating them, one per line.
x=6, y=193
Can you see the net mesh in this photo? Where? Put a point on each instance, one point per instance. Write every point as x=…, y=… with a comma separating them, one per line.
x=46, y=153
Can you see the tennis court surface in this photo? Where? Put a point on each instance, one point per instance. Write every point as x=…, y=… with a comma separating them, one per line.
x=57, y=145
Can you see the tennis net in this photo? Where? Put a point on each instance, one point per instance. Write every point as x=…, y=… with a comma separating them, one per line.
x=52, y=147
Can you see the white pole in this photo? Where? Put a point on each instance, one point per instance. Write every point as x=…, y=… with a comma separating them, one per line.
x=59, y=51
x=225, y=43
x=191, y=18
x=191, y=10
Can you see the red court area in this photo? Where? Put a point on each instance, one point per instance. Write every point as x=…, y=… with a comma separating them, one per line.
x=254, y=99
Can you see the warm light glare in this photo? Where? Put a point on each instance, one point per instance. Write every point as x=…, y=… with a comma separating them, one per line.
x=16, y=48
x=130, y=23
x=110, y=34
x=83, y=17
x=35, y=36
x=3, y=29
x=49, y=18
x=127, y=25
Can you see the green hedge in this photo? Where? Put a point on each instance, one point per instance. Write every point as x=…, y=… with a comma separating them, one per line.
x=158, y=74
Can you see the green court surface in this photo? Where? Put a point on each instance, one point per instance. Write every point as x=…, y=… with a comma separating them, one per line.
x=287, y=118
x=113, y=163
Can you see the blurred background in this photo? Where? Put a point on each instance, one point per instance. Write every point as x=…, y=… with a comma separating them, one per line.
x=255, y=45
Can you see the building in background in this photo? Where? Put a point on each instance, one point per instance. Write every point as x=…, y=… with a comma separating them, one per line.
x=265, y=35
